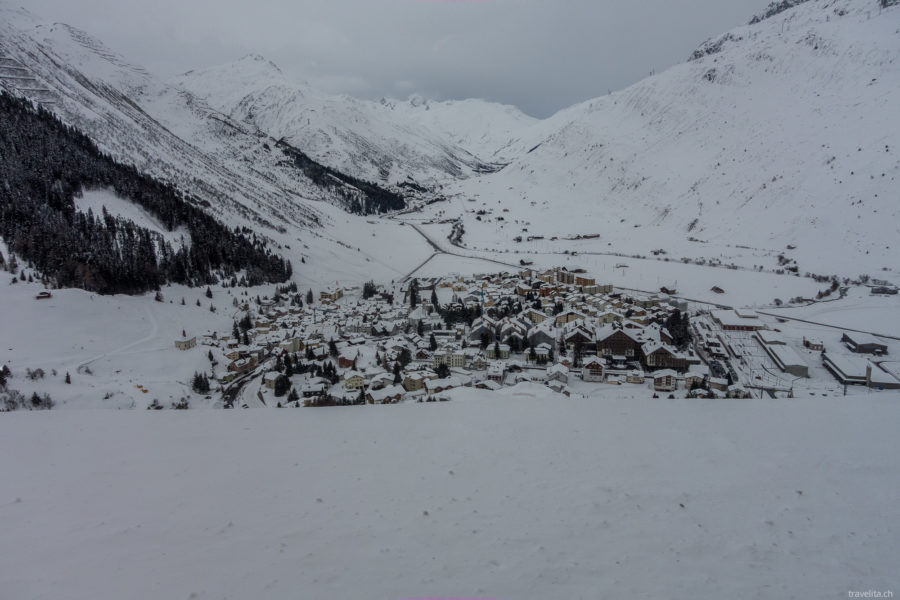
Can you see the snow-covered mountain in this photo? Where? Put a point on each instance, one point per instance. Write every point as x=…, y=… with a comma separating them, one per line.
x=371, y=140
x=137, y=119
x=162, y=129
x=780, y=132
x=497, y=133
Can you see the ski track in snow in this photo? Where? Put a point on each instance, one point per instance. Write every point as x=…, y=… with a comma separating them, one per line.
x=154, y=330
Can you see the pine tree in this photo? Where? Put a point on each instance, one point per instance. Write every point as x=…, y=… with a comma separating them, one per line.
x=414, y=293
x=332, y=348
x=405, y=357
x=432, y=342
x=282, y=385
x=208, y=292
x=68, y=377
x=309, y=297
x=200, y=383
x=577, y=350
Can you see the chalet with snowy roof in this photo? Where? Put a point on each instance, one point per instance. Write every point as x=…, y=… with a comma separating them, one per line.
x=347, y=357
x=569, y=316
x=453, y=358
x=381, y=380
x=292, y=344
x=558, y=372
x=496, y=372
x=436, y=386
x=737, y=391
x=415, y=380
x=357, y=325
x=482, y=325
x=579, y=335
x=353, y=380
x=492, y=349
x=331, y=295
x=242, y=365
x=665, y=380
x=694, y=379
x=186, y=342
x=609, y=317
x=612, y=340
x=661, y=355
x=635, y=376
x=270, y=378
x=386, y=395
x=593, y=369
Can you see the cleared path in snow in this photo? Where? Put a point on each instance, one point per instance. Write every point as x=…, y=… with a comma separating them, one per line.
x=439, y=250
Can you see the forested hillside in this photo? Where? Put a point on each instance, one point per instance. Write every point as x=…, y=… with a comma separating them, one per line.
x=44, y=164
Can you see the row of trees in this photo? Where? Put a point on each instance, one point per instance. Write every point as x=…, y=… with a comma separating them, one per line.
x=46, y=164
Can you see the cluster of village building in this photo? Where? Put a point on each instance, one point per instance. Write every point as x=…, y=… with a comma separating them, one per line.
x=489, y=331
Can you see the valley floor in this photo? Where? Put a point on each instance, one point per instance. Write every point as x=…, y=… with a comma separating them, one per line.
x=517, y=495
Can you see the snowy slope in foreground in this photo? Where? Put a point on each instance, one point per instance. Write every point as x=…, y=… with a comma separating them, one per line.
x=518, y=497
x=785, y=133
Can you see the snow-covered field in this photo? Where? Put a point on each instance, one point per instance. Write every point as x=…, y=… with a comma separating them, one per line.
x=860, y=310
x=109, y=345
x=523, y=495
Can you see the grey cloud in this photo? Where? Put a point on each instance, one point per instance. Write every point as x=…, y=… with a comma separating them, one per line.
x=538, y=55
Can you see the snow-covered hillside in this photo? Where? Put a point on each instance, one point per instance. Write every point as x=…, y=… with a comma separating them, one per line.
x=177, y=137
x=367, y=139
x=497, y=133
x=776, y=138
x=523, y=496
x=782, y=132
x=139, y=120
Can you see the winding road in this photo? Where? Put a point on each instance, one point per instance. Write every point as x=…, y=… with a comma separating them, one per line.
x=439, y=250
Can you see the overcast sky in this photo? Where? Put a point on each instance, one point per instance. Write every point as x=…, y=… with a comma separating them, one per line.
x=540, y=55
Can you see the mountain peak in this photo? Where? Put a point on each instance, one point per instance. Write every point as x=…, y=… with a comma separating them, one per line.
x=260, y=61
